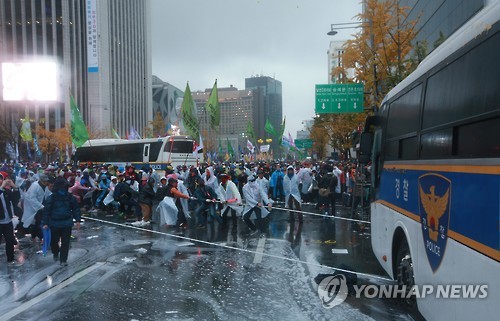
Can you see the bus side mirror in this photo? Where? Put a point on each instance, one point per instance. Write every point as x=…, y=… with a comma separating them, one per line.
x=365, y=147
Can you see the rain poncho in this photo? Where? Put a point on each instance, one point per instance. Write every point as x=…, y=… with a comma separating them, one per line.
x=291, y=188
x=305, y=178
x=253, y=195
x=232, y=196
x=33, y=202
x=210, y=181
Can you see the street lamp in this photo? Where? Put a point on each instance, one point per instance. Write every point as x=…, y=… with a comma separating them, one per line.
x=344, y=25
x=353, y=25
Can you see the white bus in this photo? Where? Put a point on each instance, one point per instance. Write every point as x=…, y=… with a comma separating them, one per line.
x=157, y=153
x=434, y=148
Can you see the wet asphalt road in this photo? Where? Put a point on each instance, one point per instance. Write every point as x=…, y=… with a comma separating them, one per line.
x=117, y=272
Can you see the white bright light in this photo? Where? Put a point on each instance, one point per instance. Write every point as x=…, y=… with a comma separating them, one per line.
x=32, y=81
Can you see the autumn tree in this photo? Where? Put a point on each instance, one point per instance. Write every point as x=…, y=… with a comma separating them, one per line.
x=337, y=130
x=157, y=127
x=320, y=138
x=381, y=56
x=380, y=52
x=51, y=142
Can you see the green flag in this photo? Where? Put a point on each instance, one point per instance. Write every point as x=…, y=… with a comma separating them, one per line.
x=270, y=128
x=213, y=107
x=220, y=147
x=188, y=114
x=282, y=128
x=250, y=132
x=115, y=134
x=26, y=130
x=78, y=130
x=230, y=149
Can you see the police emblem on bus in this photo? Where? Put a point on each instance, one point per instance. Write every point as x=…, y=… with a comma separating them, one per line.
x=434, y=207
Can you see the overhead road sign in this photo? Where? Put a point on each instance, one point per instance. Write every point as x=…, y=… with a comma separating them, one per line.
x=339, y=98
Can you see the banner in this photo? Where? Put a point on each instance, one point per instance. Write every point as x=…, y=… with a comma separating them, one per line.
x=283, y=127
x=213, y=107
x=269, y=128
x=230, y=149
x=26, y=131
x=133, y=134
x=78, y=130
x=188, y=113
x=115, y=134
x=197, y=148
x=264, y=148
x=250, y=146
x=250, y=131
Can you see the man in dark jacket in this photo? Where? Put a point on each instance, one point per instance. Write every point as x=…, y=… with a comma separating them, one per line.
x=146, y=198
x=206, y=199
x=127, y=196
x=60, y=208
x=7, y=195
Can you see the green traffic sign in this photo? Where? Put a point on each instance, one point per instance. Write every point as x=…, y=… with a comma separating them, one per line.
x=339, y=98
x=304, y=143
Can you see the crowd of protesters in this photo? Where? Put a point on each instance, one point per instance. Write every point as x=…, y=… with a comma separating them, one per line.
x=35, y=197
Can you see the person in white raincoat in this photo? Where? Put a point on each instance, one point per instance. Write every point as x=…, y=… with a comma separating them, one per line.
x=292, y=194
x=109, y=199
x=171, y=206
x=254, y=207
x=305, y=178
x=230, y=197
x=184, y=202
x=210, y=179
x=33, y=200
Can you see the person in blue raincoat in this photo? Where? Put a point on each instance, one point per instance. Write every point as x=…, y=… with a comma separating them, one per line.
x=60, y=209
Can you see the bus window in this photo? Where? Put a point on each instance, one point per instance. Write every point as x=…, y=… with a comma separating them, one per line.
x=406, y=110
x=479, y=139
x=179, y=147
x=438, y=143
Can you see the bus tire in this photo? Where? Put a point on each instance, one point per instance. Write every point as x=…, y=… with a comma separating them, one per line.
x=404, y=269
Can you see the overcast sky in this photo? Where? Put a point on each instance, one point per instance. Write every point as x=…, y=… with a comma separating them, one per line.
x=230, y=40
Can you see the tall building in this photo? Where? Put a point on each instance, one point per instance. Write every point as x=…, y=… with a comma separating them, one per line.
x=271, y=106
x=119, y=65
x=237, y=109
x=334, y=54
x=33, y=31
x=102, y=49
x=438, y=19
x=166, y=102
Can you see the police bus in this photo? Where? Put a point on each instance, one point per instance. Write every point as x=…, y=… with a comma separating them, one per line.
x=434, y=148
x=157, y=153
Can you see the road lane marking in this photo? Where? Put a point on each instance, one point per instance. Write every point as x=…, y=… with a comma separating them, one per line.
x=241, y=242
x=340, y=251
x=28, y=304
x=260, y=250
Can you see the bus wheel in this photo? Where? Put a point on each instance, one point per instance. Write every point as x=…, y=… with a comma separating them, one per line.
x=405, y=272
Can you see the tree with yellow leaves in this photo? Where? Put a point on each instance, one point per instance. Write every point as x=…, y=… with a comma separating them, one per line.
x=156, y=127
x=380, y=57
x=380, y=52
x=50, y=142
